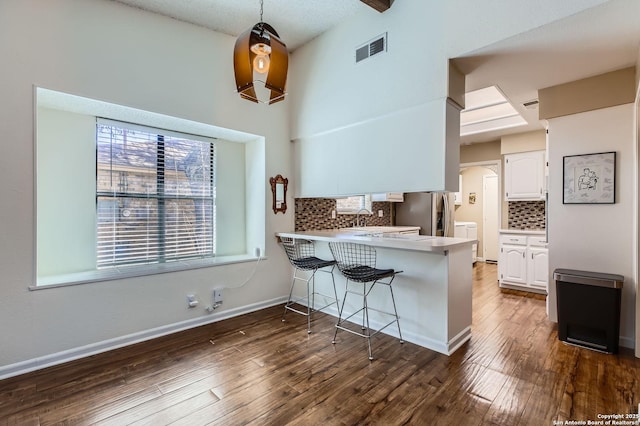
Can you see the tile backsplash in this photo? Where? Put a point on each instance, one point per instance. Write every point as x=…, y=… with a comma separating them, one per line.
x=315, y=213
x=527, y=215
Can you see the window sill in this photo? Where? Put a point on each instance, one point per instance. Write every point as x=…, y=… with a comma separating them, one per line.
x=118, y=273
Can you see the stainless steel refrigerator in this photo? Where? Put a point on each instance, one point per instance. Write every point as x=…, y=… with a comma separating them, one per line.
x=432, y=211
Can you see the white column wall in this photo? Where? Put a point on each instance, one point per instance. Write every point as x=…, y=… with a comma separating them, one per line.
x=593, y=237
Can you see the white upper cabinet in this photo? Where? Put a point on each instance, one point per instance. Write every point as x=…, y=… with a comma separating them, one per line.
x=524, y=176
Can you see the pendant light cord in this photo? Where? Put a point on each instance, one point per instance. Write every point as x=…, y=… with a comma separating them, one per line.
x=261, y=9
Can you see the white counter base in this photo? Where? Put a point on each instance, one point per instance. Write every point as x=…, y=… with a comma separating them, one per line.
x=433, y=293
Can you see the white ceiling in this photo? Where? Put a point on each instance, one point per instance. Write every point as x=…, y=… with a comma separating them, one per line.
x=296, y=21
x=600, y=39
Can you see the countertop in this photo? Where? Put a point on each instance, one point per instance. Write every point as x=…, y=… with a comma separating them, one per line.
x=422, y=243
x=523, y=231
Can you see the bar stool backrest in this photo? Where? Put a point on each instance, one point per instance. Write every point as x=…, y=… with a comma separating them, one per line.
x=355, y=261
x=299, y=252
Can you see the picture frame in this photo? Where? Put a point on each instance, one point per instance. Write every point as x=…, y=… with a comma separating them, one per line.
x=589, y=178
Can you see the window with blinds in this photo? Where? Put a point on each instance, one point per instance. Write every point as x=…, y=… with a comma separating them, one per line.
x=155, y=195
x=351, y=205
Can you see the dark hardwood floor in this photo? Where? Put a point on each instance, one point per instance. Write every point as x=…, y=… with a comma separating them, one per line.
x=258, y=370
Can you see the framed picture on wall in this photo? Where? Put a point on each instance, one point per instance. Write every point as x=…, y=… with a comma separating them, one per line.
x=589, y=178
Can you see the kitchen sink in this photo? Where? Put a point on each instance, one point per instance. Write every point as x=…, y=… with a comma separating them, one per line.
x=408, y=237
x=383, y=232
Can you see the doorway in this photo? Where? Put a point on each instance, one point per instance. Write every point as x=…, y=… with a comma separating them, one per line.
x=480, y=203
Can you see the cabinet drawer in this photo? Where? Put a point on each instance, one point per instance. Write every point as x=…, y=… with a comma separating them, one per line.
x=537, y=241
x=520, y=240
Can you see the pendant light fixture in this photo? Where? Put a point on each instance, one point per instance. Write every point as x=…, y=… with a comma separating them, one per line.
x=260, y=55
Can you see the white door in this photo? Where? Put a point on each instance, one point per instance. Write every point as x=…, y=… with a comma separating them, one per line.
x=490, y=215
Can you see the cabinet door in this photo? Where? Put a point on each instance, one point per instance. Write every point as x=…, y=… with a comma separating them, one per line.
x=524, y=176
x=513, y=265
x=538, y=267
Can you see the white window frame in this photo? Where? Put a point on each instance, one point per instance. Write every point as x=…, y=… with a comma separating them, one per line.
x=156, y=246
x=250, y=247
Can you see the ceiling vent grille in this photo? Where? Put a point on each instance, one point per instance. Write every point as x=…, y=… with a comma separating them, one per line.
x=371, y=48
x=532, y=104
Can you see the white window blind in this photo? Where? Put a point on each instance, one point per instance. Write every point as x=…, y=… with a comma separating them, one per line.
x=351, y=205
x=155, y=195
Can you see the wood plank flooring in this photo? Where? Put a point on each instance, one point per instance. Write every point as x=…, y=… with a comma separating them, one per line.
x=257, y=370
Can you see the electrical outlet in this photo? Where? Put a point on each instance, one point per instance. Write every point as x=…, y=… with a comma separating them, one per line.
x=380, y=213
x=217, y=296
x=333, y=214
x=192, y=300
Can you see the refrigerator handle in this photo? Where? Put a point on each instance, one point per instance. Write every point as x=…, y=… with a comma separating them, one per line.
x=445, y=216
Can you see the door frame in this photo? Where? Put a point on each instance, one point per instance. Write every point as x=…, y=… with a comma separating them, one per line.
x=491, y=164
x=636, y=214
x=484, y=215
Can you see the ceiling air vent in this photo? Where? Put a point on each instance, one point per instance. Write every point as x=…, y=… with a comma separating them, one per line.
x=532, y=104
x=371, y=48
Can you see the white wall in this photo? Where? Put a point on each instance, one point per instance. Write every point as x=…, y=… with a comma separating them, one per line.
x=591, y=237
x=107, y=51
x=346, y=113
x=66, y=206
x=66, y=193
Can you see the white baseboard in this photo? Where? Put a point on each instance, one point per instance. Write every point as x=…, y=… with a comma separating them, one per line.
x=627, y=342
x=119, y=342
x=446, y=348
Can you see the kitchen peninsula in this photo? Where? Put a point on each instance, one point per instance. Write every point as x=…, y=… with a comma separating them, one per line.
x=433, y=293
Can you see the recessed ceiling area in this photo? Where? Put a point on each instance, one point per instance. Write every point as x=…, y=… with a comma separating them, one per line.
x=487, y=110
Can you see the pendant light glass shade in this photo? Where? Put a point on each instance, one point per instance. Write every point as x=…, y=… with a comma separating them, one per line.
x=260, y=49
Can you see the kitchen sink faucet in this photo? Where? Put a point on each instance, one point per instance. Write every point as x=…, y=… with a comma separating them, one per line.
x=364, y=219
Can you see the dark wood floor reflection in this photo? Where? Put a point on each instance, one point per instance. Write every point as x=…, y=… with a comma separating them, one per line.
x=257, y=370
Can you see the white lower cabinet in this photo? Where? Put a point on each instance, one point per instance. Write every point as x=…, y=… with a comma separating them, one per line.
x=523, y=262
x=538, y=267
x=513, y=264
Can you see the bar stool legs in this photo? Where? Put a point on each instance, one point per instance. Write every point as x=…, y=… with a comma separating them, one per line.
x=357, y=264
x=301, y=255
x=309, y=300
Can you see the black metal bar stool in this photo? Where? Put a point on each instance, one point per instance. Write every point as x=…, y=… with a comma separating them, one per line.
x=357, y=262
x=301, y=254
